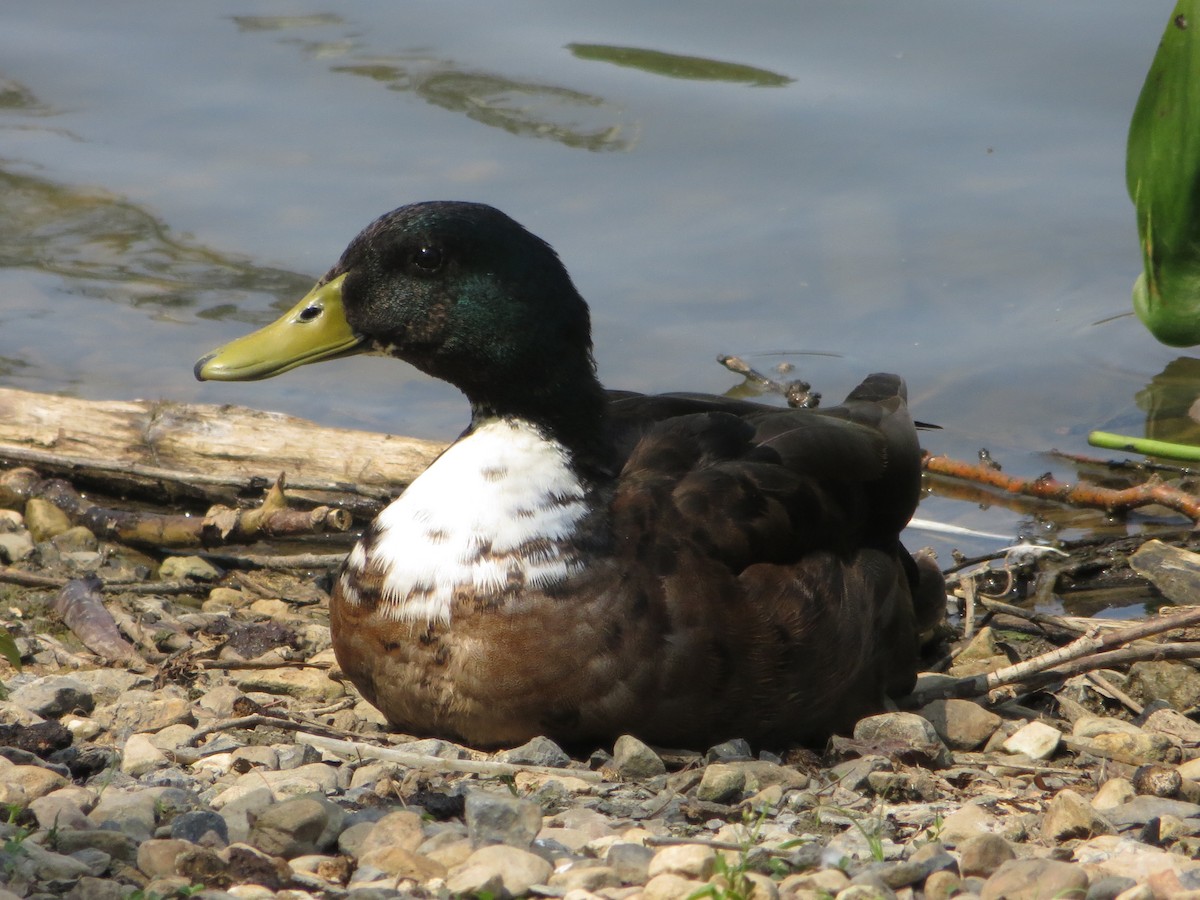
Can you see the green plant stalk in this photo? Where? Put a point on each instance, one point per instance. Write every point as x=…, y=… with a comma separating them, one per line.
x=1143, y=446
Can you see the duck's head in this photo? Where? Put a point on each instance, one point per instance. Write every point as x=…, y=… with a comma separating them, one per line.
x=459, y=290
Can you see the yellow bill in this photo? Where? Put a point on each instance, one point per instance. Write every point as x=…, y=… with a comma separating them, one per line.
x=312, y=330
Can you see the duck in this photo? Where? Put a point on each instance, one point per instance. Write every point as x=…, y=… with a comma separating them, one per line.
x=583, y=563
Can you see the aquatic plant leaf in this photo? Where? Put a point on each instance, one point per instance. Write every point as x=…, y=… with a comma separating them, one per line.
x=1162, y=173
x=674, y=65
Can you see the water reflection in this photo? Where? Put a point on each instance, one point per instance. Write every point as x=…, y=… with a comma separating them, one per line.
x=525, y=108
x=111, y=249
x=15, y=97
x=1171, y=402
x=674, y=65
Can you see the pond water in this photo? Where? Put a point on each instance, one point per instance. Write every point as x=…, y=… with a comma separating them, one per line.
x=931, y=188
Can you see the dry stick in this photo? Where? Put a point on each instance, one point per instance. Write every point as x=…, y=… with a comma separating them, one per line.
x=1089, y=645
x=232, y=665
x=164, y=588
x=356, y=749
x=254, y=721
x=1037, y=618
x=1124, y=465
x=668, y=840
x=263, y=561
x=1046, y=487
x=968, y=590
x=1111, y=659
x=1105, y=686
x=82, y=610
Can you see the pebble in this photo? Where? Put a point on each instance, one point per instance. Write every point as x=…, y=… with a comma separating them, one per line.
x=721, y=783
x=44, y=520
x=514, y=870
x=1114, y=792
x=496, y=819
x=258, y=814
x=1037, y=740
x=961, y=724
x=54, y=696
x=1069, y=816
x=983, y=854
x=184, y=568
x=540, y=751
x=693, y=861
x=1035, y=879
x=635, y=761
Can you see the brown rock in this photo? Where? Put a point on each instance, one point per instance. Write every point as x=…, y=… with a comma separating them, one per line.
x=721, y=783
x=515, y=869
x=1113, y=793
x=156, y=857
x=403, y=863
x=1069, y=816
x=1175, y=682
x=248, y=864
x=686, y=860
x=961, y=724
x=398, y=829
x=669, y=886
x=984, y=854
x=44, y=520
x=1132, y=749
x=1035, y=879
x=941, y=885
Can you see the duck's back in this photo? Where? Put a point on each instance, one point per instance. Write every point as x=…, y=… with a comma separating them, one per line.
x=783, y=527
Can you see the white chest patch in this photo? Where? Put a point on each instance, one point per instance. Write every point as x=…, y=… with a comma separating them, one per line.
x=493, y=514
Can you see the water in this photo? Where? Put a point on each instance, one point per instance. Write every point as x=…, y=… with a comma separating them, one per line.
x=929, y=188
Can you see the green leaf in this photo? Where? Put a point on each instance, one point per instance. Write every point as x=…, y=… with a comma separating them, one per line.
x=8, y=649
x=1162, y=173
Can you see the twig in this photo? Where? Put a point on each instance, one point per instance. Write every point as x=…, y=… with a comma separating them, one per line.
x=1111, y=659
x=254, y=721
x=163, y=588
x=670, y=840
x=1042, y=669
x=1046, y=487
x=254, y=664
x=280, y=561
x=1124, y=465
x=1106, y=687
x=1044, y=619
x=968, y=591
x=987, y=759
x=356, y=750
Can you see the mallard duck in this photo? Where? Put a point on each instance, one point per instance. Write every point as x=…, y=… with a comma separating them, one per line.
x=581, y=563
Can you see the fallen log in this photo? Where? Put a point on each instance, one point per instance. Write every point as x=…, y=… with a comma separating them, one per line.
x=203, y=451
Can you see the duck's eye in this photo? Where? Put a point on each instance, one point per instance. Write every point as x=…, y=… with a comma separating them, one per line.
x=427, y=259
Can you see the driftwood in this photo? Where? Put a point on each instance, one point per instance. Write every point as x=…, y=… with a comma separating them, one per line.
x=204, y=452
x=82, y=609
x=220, y=525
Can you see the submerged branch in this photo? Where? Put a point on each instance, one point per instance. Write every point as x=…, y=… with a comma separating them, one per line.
x=1046, y=487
